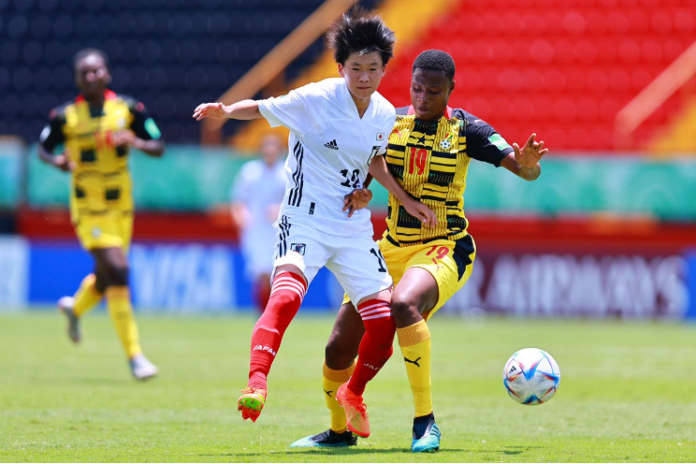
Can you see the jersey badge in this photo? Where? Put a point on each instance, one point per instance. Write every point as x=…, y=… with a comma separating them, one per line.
x=298, y=248
x=380, y=136
x=446, y=143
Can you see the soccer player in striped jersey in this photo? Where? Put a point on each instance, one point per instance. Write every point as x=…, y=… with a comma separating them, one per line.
x=338, y=134
x=430, y=148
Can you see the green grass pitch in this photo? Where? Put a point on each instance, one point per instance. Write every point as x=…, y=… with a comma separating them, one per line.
x=627, y=394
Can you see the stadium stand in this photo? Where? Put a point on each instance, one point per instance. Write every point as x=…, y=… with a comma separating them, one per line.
x=172, y=54
x=561, y=68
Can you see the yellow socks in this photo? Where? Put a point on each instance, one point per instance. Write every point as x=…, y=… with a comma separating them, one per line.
x=87, y=296
x=331, y=381
x=414, y=341
x=121, y=311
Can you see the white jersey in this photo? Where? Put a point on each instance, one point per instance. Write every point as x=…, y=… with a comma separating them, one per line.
x=330, y=151
x=260, y=188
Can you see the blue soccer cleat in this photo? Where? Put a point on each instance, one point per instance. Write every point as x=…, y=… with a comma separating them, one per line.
x=327, y=439
x=429, y=441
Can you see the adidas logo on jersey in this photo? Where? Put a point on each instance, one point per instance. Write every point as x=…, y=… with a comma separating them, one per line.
x=332, y=145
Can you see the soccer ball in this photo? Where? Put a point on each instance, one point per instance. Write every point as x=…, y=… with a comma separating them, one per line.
x=531, y=376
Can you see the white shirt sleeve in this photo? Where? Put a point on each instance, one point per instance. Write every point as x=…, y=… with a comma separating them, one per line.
x=297, y=110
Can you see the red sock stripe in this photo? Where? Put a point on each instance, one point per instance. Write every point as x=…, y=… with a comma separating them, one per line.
x=374, y=309
x=289, y=281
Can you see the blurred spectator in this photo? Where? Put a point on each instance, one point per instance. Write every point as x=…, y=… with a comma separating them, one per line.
x=256, y=197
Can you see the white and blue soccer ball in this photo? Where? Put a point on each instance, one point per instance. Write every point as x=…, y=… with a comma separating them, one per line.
x=531, y=376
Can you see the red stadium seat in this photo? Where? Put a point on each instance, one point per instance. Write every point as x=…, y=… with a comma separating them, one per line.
x=629, y=51
x=685, y=21
x=661, y=22
x=638, y=22
x=565, y=110
x=586, y=52
x=510, y=80
x=588, y=110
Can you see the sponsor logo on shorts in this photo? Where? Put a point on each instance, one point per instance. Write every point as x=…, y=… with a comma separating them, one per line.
x=298, y=248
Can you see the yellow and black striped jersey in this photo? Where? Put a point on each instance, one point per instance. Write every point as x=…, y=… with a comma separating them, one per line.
x=430, y=161
x=101, y=180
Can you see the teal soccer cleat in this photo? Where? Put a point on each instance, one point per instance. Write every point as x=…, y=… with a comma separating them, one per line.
x=429, y=440
x=328, y=439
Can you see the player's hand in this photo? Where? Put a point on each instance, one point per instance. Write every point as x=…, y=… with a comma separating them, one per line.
x=357, y=199
x=531, y=153
x=210, y=110
x=422, y=212
x=64, y=163
x=122, y=137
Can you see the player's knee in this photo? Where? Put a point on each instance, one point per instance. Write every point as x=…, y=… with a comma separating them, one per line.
x=118, y=275
x=402, y=308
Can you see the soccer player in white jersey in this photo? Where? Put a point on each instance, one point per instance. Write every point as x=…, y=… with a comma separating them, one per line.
x=256, y=197
x=338, y=134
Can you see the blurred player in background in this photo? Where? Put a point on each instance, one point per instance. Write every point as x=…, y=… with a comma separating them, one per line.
x=430, y=148
x=97, y=130
x=256, y=198
x=338, y=133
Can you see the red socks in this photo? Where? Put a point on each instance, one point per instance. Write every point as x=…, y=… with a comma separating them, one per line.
x=287, y=292
x=376, y=346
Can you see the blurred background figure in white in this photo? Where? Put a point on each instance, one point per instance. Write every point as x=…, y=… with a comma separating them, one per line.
x=256, y=196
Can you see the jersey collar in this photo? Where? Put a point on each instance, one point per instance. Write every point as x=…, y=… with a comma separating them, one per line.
x=108, y=95
x=448, y=111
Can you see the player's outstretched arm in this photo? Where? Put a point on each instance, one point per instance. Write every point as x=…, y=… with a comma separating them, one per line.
x=379, y=170
x=525, y=162
x=244, y=110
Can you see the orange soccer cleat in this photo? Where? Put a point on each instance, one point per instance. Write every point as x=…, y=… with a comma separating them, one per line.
x=356, y=411
x=251, y=402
